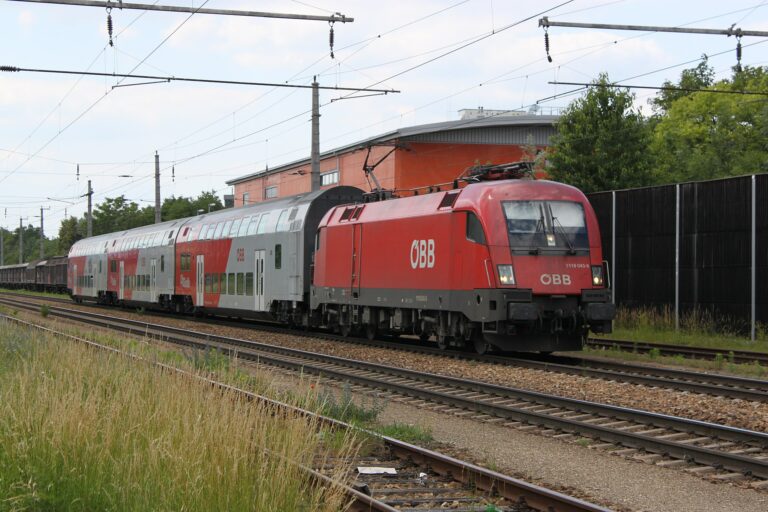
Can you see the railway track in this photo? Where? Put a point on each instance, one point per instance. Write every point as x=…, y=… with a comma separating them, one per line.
x=681, y=380
x=423, y=479
x=710, y=354
x=666, y=440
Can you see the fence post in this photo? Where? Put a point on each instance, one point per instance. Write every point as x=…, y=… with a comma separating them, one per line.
x=677, y=256
x=754, y=256
x=613, y=246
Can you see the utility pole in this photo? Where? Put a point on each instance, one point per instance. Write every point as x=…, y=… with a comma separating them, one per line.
x=21, y=241
x=157, y=188
x=2, y=254
x=42, y=235
x=315, y=156
x=90, y=213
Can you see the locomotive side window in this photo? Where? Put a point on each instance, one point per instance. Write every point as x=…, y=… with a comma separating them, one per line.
x=475, y=231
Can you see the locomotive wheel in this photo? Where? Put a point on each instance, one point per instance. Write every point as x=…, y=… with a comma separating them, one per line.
x=481, y=346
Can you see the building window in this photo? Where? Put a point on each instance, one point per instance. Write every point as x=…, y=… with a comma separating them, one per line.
x=246, y=198
x=329, y=178
x=270, y=192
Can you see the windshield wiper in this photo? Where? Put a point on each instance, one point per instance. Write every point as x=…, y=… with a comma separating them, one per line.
x=557, y=226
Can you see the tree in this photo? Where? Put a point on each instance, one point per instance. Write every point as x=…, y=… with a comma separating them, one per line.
x=715, y=135
x=207, y=201
x=601, y=142
x=68, y=234
x=700, y=77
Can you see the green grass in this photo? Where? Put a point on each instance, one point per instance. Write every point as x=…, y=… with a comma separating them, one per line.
x=414, y=434
x=698, y=328
x=85, y=430
x=36, y=294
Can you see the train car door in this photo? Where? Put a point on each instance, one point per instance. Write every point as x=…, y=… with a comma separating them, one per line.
x=153, y=279
x=357, y=259
x=200, y=280
x=258, y=285
x=121, y=282
x=74, y=280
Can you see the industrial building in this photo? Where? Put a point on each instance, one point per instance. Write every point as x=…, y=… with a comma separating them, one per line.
x=411, y=158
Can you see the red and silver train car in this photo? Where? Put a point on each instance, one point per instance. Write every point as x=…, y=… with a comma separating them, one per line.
x=247, y=262
x=512, y=264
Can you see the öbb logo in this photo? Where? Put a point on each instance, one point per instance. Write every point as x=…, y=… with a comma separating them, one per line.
x=423, y=254
x=555, y=279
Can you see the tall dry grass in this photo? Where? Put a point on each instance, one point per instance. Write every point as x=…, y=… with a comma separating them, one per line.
x=86, y=430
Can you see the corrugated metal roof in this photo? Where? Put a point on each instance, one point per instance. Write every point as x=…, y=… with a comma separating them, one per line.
x=526, y=129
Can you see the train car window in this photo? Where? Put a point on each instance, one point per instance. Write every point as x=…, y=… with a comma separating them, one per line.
x=249, y=284
x=208, y=283
x=203, y=231
x=227, y=227
x=215, y=283
x=211, y=231
x=235, y=228
x=240, y=283
x=244, y=227
x=219, y=230
x=231, y=284
x=449, y=199
x=99, y=266
x=282, y=221
x=263, y=221
x=357, y=213
x=253, y=225
x=184, y=233
x=278, y=256
x=162, y=263
x=317, y=240
x=475, y=231
x=223, y=283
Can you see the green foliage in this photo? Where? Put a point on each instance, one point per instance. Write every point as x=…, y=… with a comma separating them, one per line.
x=601, y=142
x=700, y=77
x=345, y=409
x=705, y=136
x=69, y=233
x=45, y=310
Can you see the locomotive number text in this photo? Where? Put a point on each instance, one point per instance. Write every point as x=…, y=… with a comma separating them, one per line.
x=548, y=279
x=423, y=254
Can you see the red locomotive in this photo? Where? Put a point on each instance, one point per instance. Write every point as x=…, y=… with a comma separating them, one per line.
x=509, y=264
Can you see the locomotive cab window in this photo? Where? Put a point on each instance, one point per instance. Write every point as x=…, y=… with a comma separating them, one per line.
x=546, y=224
x=475, y=231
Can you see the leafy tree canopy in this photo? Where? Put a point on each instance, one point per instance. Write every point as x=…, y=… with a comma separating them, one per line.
x=700, y=77
x=601, y=142
x=710, y=135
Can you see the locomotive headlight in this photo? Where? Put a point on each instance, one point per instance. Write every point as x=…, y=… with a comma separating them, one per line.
x=597, y=275
x=506, y=275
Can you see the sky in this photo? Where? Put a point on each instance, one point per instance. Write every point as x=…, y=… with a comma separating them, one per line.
x=442, y=55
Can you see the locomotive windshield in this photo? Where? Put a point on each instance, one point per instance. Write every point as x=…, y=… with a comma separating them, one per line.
x=546, y=224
